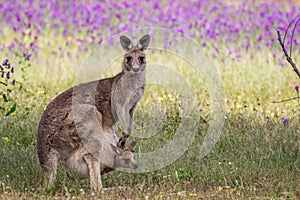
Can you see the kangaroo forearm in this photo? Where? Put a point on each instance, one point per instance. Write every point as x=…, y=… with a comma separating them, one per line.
x=131, y=114
x=124, y=121
x=130, y=126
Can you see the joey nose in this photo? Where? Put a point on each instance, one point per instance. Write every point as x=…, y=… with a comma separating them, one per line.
x=135, y=166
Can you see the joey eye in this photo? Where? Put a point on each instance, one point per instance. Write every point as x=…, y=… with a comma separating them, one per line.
x=142, y=59
x=127, y=161
x=128, y=59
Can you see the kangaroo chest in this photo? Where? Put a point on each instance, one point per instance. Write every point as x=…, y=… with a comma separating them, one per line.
x=109, y=95
x=128, y=91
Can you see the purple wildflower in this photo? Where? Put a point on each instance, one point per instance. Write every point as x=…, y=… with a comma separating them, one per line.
x=285, y=121
x=118, y=16
x=228, y=25
x=8, y=75
x=297, y=88
x=5, y=61
x=13, y=82
x=12, y=69
x=27, y=56
x=1, y=68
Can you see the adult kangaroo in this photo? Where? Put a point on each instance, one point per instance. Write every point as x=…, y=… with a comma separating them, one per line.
x=77, y=126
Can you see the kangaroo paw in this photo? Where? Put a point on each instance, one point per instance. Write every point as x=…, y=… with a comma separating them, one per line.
x=122, y=141
x=125, y=135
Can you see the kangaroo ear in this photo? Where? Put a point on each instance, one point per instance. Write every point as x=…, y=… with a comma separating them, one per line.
x=126, y=43
x=131, y=146
x=143, y=43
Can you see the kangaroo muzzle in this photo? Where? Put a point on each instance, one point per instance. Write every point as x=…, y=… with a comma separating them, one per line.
x=135, y=68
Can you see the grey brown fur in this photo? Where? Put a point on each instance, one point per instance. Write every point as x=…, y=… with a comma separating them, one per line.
x=76, y=126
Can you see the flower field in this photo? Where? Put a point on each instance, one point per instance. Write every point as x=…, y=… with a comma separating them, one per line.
x=45, y=46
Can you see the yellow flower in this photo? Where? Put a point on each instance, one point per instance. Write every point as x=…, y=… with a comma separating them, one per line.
x=238, y=106
x=5, y=139
x=219, y=188
x=287, y=105
x=160, y=99
x=30, y=91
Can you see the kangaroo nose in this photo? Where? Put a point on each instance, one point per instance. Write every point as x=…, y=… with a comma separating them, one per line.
x=135, y=68
x=135, y=166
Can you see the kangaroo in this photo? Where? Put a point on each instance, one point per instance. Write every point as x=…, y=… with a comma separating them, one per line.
x=77, y=126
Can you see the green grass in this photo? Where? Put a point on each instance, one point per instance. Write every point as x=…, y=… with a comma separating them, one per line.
x=250, y=160
x=256, y=157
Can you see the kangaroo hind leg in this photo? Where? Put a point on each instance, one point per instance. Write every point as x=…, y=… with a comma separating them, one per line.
x=49, y=167
x=94, y=172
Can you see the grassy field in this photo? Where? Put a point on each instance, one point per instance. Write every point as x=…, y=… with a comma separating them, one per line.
x=256, y=157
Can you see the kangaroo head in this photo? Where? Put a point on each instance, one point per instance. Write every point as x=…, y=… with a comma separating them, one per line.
x=135, y=58
x=124, y=157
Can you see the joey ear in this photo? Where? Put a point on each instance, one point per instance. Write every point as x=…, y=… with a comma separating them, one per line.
x=126, y=43
x=143, y=43
x=131, y=146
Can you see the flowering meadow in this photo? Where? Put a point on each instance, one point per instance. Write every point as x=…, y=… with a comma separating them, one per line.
x=44, y=43
x=244, y=26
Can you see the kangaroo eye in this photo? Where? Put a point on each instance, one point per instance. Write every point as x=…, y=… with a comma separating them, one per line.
x=128, y=59
x=127, y=161
x=142, y=59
